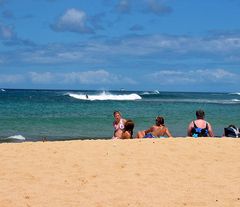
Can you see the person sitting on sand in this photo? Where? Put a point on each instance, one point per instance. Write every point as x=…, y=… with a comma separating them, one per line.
x=231, y=131
x=118, y=124
x=157, y=130
x=128, y=130
x=200, y=127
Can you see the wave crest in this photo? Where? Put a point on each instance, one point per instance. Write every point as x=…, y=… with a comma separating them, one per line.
x=105, y=96
x=236, y=93
x=155, y=92
x=14, y=138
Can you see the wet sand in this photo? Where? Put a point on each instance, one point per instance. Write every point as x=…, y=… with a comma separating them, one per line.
x=119, y=173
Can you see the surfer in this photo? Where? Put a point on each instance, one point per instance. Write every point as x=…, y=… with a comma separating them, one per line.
x=86, y=96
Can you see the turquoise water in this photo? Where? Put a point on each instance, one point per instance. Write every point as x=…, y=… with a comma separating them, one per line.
x=61, y=115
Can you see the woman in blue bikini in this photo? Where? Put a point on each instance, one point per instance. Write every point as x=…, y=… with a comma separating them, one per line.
x=200, y=127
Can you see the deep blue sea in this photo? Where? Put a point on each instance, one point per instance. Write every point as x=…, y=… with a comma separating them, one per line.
x=65, y=114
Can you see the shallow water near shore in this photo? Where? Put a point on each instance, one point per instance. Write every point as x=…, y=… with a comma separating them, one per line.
x=65, y=114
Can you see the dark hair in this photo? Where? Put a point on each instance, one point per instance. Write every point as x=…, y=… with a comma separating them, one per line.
x=117, y=112
x=200, y=114
x=233, y=126
x=128, y=126
x=159, y=120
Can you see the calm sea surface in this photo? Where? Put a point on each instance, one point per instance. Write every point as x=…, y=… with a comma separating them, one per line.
x=62, y=115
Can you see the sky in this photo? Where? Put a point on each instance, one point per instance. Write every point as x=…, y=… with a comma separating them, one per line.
x=166, y=45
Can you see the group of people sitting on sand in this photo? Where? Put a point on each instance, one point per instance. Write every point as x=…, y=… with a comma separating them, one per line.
x=123, y=129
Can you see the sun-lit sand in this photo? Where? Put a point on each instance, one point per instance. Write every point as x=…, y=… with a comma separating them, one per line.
x=118, y=173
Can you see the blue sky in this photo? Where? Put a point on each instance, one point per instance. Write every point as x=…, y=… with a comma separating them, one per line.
x=168, y=45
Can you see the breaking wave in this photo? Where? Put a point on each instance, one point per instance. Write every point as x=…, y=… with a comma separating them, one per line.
x=151, y=92
x=237, y=93
x=105, y=96
x=14, y=138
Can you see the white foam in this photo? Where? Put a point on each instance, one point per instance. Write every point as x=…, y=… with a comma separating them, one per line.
x=237, y=93
x=3, y=90
x=15, y=137
x=151, y=92
x=106, y=96
x=209, y=101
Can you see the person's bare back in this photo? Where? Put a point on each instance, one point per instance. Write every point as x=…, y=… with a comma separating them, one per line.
x=200, y=127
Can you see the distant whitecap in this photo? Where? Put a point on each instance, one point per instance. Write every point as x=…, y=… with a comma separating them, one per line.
x=151, y=92
x=235, y=100
x=236, y=93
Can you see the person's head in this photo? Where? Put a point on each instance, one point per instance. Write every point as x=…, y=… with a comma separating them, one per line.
x=159, y=120
x=117, y=115
x=128, y=126
x=232, y=126
x=200, y=114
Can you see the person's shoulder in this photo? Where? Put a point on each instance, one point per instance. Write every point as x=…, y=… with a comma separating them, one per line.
x=165, y=128
x=154, y=127
x=208, y=123
x=126, y=135
x=192, y=122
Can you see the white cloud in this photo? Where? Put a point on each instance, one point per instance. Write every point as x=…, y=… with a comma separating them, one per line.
x=176, y=45
x=150, y=6
x=216, y=75
x=73, y=20
x=87, y=77
x=16, y=78
x=41, y=78
x=198, y=76
x=155, y=47
x=53, y=56
x=10, y=37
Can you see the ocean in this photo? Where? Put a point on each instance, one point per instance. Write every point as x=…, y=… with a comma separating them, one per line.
x=33, y=115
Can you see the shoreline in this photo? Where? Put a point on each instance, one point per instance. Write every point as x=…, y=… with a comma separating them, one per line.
x=45, y=139
x=137, y=172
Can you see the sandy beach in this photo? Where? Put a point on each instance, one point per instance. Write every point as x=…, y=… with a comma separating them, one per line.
x=149, y=172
